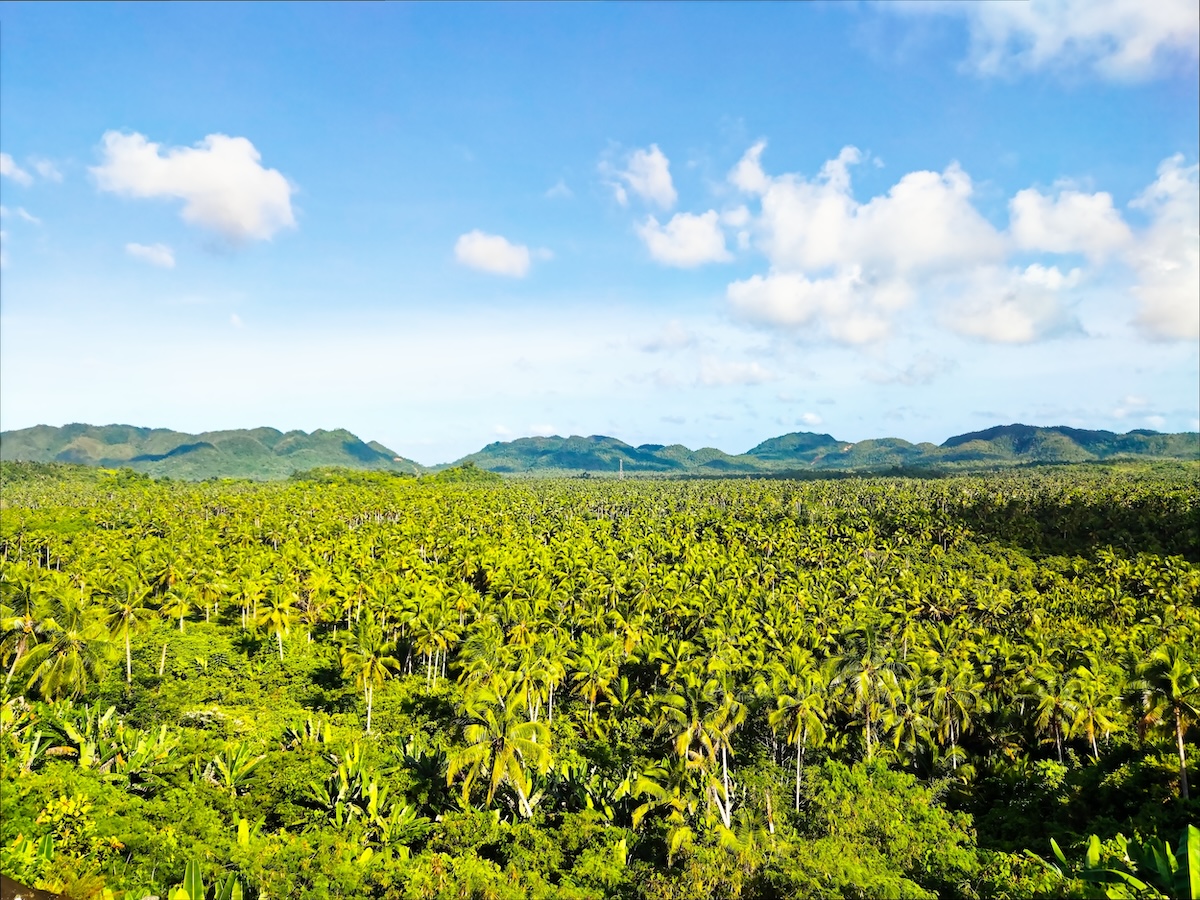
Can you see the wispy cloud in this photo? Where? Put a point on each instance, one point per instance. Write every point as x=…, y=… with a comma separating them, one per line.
x=10, y=169
x=1119, y=40
x=156, y=254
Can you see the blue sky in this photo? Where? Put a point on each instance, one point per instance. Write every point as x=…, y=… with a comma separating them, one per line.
x=440, y=225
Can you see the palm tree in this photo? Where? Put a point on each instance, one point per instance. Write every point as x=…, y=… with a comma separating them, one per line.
x=1166, y=686
x=866, y=673
x=71, y=655
x=278, y=613
x=595, y=669
x=1095, y=700
x=126, y=613
x=800, y=709
x=368, y=661
x=1057, y=708
x=501, y=746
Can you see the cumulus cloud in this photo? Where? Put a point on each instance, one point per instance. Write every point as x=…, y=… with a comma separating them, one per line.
x=685, y=241
x=9, y=169
x=850, y=308
x=647, y=174
x=1071, y=222
x=1166, y=257
x=156, y=254
x=559, y=191
x=1013, y=306
x=810, y=418
x=925, y=222
x=221, y=181
x=1121, y=40
x=492, y=253
x=716, y=373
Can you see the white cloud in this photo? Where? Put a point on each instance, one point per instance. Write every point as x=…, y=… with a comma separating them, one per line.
x=492, y=253
x=221, y=182
x=1166, y=257
x=27, y=216
x=748, y=174
x=559, y=191
x=926, y=222
x=715, y=373
x=543, y=430
x=156, y=254
x=1117, y=39
x=686, y=241
x=9, y=169
x=673, y=337
x=47, y=170
x=810, y=418
x=647, y=173
x=849, y=307
x=235, y=320
x=925, y=369
x=1012, y=306
x=1072, y=222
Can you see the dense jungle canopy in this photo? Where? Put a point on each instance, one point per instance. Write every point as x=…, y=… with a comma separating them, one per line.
x=365, y=685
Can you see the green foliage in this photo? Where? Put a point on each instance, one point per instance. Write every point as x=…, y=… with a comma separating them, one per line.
x=345, y=686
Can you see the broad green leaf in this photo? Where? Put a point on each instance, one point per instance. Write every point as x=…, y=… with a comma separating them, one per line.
x=193, y=884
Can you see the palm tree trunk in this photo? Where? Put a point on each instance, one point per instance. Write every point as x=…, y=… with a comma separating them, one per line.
x=798, y=776
x=1183, y=782
x=370, y=697
x=128, y=659
x=162, y=662
x=12, y=669
x=279, y=636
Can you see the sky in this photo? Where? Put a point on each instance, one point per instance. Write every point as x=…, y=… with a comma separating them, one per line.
x=440, y=225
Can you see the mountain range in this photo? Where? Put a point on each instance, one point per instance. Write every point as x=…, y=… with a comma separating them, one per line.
x=260, y=453
x=265, y=453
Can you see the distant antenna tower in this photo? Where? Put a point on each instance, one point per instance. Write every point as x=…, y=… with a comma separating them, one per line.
x=621, y=469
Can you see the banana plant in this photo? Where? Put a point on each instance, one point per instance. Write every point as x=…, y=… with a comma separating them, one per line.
x=1151, y=869
x=233, y=767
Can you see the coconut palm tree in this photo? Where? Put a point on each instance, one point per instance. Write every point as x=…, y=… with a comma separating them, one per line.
x=278, y=612
x=368, y=661
x=801, y=706
x=125, y=613
x=1165, y=691
x=501, y=746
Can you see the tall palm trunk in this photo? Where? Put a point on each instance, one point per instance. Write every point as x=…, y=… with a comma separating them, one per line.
x=798, y=764
x=1183, y=782
x=128, y=659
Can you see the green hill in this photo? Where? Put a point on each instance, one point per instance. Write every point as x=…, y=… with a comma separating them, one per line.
x=265, y=453
x=259, y=453
x=1005, y=445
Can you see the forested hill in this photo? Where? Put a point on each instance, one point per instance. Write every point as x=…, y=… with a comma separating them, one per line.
x=259, y=453
x=1000, y=446
x=265, y=453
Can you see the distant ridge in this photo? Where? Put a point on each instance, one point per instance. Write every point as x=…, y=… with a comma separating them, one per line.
x=259, y=453
x=265, y=453
x=1003, y=445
